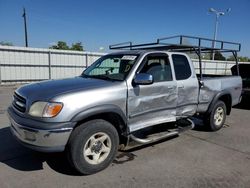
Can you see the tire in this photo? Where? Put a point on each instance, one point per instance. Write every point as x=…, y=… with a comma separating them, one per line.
x=92, y=146
x=217, y=117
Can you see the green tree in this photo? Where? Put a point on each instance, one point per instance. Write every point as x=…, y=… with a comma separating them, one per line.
x=244, y=59
x=231, y=58
x=6, y=43
x=219, y=56
x=240, y=58
x=61, y=45
x=77, y=46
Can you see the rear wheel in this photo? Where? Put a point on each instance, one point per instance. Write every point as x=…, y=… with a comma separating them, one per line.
x=93, y=146
x=217, y=117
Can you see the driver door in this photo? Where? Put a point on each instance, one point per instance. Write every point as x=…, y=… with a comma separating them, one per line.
x=155, y=103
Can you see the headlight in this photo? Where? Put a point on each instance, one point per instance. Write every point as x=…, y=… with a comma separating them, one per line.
x=45, y=109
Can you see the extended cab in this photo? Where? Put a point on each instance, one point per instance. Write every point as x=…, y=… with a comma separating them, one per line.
x=117, y=97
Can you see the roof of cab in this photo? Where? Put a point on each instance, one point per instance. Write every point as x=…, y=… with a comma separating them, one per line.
x=136, y=52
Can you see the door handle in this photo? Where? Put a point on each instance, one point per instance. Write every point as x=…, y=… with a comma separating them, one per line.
x=170, y=87
x=201, y=83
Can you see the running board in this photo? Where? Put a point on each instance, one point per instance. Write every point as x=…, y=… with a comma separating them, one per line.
x=153, y=139
x=180, y=128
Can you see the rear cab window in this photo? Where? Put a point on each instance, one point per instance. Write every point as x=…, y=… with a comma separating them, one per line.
x=181, y=67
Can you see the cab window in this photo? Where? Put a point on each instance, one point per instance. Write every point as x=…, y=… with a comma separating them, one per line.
x=158, y=66
x=181, y=67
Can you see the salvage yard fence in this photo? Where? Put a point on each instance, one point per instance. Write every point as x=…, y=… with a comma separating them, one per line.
x=22, y=65
x=214, y=67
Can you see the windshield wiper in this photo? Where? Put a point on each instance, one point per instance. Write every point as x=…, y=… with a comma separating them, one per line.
x=102, y=77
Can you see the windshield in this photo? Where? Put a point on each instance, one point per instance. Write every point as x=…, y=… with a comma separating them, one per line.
x=111, y=67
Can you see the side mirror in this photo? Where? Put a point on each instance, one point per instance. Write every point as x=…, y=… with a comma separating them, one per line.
x=143, y=79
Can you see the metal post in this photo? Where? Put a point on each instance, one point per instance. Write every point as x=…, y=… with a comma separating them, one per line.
x=181, y=40
x=215, y=34
x=25, y=28
x=49, y=59
x=237, y=63
x=0, y=75
x=226, y=68
x=87, y=59
x=200, y=63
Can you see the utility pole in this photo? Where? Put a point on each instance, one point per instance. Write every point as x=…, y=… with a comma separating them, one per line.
x=25, y=28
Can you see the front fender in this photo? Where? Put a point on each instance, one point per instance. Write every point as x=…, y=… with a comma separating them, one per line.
x=108, y=108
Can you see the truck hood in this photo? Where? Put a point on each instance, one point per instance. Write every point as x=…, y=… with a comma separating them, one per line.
x=45, y=90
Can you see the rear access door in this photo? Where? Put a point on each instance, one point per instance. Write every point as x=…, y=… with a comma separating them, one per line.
x=187, y=85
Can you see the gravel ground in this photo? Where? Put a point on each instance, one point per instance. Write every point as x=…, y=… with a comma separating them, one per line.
x=196, y=158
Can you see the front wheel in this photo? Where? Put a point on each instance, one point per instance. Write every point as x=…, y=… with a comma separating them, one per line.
x=217, y=117
x=93, y=146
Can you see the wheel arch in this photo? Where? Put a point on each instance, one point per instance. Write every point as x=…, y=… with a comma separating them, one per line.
x=223, y=96
x=111, y=113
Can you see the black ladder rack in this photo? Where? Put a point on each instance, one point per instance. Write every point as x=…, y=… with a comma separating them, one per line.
x=182, y=43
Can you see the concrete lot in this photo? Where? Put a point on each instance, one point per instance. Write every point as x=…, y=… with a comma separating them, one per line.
x=197, y=158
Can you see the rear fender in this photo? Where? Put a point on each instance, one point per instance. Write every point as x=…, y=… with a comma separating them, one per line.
x=223, y=96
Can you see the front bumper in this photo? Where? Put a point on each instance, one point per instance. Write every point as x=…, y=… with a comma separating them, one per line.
x=44, y=140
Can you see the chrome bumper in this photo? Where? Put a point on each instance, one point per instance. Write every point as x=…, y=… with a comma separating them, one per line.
x=53, y=140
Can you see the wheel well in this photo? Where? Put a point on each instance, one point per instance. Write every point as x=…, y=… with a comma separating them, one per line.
x=227, y=99
x=112, y=118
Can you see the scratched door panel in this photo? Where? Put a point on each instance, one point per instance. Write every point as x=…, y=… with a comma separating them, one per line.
x=148, y=104
x=187, y=85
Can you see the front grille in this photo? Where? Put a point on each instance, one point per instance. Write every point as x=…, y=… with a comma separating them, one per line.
x=19, y=102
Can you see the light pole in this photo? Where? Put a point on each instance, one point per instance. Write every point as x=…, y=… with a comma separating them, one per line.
x=218, y=14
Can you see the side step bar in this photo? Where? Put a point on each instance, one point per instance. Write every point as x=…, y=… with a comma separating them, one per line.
x=154, y=139
x=181, y=128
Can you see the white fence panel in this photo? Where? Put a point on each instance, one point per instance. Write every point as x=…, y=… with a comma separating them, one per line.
x=214, y=67
x=19, y=64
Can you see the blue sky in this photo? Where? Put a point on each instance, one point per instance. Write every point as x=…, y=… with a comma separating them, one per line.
x=98, y=23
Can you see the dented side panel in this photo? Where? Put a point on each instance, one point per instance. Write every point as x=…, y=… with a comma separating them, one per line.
x=151, y=104
x=212, y=86
x=188, y=91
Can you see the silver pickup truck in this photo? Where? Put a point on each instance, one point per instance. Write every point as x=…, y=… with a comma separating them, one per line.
x=118, y=97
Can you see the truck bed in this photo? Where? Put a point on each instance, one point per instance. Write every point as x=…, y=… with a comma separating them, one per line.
x=215, y=84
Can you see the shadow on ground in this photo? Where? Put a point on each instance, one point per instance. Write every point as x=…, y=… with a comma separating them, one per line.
x=199, y=125
x=14, y=155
